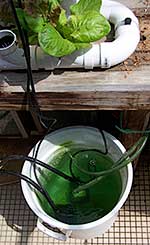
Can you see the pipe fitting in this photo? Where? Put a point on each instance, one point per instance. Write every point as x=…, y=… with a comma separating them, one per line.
x=104, y=55
x=127, y=35
x=11, y=57
x=7, y=42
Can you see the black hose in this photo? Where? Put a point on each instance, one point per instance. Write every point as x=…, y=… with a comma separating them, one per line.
x=26, y=48
x=31, y=94
x=31, y=159
x=31, y=182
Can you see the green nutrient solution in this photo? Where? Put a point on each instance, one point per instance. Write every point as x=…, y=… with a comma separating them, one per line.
x=88, y=205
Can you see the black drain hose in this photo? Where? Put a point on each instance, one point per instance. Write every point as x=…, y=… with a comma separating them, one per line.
x=31, y=182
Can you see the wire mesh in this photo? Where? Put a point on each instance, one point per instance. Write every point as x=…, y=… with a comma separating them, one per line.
x=18, y=223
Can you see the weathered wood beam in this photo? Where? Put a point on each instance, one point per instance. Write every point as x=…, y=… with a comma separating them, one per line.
x=123, y=87
x=136, y=99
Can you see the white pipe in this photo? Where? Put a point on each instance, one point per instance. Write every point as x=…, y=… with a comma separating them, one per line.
x=8, y=45
x=104, y=55
x=127, y=36
x=10, y=55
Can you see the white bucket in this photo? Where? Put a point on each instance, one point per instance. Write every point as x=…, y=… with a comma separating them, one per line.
x=79, y=135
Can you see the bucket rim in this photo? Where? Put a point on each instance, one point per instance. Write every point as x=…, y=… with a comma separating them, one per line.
x=61, y=225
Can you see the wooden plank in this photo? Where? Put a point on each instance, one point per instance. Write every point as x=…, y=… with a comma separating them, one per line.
x=78, y=80
x=84, y=90
x=37, y=122
x=126, y=86
x=83, y=100
x=19, y=124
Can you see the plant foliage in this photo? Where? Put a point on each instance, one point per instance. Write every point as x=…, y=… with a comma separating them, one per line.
x=58, y=35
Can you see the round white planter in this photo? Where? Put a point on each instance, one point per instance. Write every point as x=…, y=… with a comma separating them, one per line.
x=51, y=142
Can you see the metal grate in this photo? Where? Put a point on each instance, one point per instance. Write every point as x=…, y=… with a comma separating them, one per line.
x=18, y=223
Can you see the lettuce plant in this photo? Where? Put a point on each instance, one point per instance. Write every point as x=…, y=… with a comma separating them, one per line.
x=57, y=34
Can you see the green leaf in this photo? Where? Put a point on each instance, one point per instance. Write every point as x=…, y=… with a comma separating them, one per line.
x=54, y=4
x=33, y=39
x=53, y=43
x=63, y=25
x=82, y=45
x=35, y=24
x=46, y=21
x=62, y=18
x=85, y=5
x=91, y=27
x=21, y=17
x=28, y=22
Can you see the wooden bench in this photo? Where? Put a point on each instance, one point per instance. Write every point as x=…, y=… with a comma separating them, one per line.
x=125, y=87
